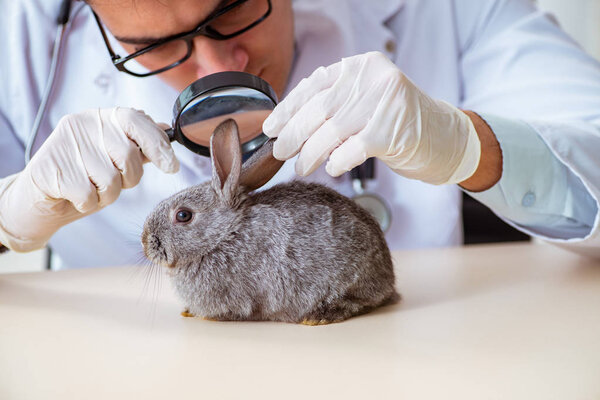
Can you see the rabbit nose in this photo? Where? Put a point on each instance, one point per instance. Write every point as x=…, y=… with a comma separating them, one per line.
x=154, y=242
x=150, y=242
x=144, y=241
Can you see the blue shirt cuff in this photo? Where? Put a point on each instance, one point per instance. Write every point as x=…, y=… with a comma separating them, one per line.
x=537, y=193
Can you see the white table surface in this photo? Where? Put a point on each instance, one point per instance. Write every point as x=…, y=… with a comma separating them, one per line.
x=481, y=322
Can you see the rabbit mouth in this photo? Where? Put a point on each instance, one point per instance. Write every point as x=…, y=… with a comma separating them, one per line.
x=162, y=260
x=171, y=265
x=156, y=253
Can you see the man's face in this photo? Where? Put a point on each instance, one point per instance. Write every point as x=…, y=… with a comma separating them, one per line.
x=265, y=50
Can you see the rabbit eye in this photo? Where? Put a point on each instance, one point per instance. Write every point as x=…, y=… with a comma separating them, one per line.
x=183, y=216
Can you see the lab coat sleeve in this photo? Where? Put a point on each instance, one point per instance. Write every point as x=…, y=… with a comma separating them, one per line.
x=26, y=31
x=11, y=156
x=11, y=149
x=540, y=93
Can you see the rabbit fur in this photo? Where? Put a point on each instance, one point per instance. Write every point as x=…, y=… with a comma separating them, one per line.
x=298, y=252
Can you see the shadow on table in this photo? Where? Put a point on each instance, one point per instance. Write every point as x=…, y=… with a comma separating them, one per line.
x=127, y=310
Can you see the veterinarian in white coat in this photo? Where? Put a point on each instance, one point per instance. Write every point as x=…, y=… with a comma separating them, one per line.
x=536, y=90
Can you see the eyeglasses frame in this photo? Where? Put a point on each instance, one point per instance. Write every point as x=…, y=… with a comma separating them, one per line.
x=202, y=29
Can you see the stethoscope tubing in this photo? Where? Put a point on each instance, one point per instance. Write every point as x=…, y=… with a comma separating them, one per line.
x=61, y=31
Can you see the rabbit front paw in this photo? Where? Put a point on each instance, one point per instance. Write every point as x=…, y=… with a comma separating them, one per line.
x=186, y=313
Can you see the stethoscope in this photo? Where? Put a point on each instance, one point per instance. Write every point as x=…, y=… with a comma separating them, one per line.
x=361, y=176
x=62, y=21
x=207, y=102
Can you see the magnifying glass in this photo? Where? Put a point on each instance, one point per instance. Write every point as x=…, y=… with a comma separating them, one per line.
x=207, y=102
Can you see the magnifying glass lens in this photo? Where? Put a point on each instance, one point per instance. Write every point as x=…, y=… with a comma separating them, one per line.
x=202, y=115
x=203, y=105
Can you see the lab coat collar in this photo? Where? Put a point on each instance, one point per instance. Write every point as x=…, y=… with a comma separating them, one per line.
x=372, y=18
x=384, y=10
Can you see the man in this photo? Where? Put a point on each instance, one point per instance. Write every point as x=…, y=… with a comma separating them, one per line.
x=526, y=142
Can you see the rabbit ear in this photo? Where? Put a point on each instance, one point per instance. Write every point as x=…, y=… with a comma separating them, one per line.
x=260, y=167
x=226, y=156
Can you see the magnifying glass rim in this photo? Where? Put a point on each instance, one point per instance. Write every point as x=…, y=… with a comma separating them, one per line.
x=213, y=82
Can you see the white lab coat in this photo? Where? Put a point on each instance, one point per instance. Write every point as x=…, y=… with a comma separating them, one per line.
x=492, y=56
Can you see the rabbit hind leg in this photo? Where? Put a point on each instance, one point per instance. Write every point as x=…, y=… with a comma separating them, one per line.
x=343, y=308
x=230, y=317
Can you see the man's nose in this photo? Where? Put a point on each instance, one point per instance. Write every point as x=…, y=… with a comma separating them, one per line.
x=211, y=56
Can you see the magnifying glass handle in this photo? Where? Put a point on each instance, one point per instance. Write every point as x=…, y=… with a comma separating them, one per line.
x=171, y=134
x=260, y=167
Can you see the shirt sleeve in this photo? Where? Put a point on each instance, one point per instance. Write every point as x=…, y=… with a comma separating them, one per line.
x=540, y=93
x=537, y=193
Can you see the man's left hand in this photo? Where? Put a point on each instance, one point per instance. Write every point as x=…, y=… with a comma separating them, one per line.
x=363, y=107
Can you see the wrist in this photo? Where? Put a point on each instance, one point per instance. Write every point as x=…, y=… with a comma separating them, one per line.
x=18, y=217
x=489, y=170
x=6, y=239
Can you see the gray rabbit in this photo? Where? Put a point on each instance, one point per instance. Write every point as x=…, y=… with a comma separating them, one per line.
x=298, y=252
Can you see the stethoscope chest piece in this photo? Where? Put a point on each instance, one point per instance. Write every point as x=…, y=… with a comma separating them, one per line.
x=371, y=202
x=376, y=207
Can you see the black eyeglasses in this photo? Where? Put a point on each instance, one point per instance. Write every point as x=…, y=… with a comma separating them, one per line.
x=233, y=19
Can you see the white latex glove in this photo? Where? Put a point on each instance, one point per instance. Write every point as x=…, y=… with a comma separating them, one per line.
x=80, y=169
x=363, y=107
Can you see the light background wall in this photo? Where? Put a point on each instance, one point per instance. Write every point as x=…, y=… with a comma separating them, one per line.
x=14, y=262
x=580, y=18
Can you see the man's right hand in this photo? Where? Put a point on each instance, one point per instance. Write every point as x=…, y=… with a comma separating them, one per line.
x=80, y=169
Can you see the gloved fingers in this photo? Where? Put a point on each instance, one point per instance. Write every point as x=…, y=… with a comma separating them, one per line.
x=70, y=184
x=108, y=184
x=352, y=153
x=131, y=167
x=152, y=140
x=128, y=159
x=321, y=79
x=333, y=133
x=101, y=167
x=302, y=125
x=103, y=153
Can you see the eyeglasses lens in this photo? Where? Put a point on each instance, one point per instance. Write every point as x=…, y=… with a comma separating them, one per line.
x=229, y=23
x=240, y=17
x=158, y=58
